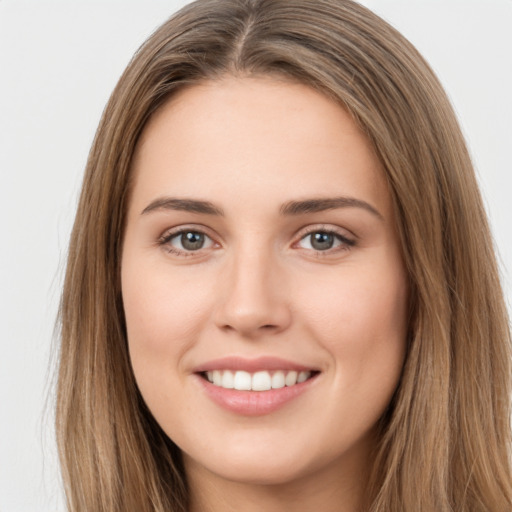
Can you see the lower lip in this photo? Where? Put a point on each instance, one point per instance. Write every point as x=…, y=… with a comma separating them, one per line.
x=254, y=403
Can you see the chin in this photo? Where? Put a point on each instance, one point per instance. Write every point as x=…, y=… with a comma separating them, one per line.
x=274, y=465
x=260, y=473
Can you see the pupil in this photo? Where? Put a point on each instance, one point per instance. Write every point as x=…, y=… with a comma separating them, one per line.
x=192, y=241
x=322, y=241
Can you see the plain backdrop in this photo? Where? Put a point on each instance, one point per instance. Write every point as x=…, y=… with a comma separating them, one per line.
x=59, y=61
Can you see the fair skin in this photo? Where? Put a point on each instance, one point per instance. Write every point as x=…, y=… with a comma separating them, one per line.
x=226, y=267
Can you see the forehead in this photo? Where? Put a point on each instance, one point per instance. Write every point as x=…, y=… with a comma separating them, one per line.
x=255, y=137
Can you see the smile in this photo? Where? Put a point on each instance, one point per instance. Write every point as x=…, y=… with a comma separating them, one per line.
x=257, y=381
x=254, y=386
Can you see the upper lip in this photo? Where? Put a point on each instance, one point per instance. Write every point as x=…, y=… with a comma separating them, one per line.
x=251, y=365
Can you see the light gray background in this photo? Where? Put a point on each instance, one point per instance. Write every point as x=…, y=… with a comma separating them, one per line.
x=59, y=61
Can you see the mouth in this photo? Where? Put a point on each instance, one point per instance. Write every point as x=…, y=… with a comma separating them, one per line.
x=255, y=386
x=262, y=380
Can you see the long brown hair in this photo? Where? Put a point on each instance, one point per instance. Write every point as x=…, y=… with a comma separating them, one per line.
x=445, y=440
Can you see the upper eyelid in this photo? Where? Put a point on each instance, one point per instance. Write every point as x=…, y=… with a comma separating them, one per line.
x=327, y=228
x=171, y=232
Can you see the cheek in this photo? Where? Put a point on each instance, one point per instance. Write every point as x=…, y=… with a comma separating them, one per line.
x=164, y=313
x=359, y=316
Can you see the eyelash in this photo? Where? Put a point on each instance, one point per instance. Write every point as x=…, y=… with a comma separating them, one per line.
x=345, y=242
x=165, y=240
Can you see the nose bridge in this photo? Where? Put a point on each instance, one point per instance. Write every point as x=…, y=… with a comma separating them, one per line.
x=253, y=300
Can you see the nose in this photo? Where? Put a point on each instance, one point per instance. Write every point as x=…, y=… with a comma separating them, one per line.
x=254, y=301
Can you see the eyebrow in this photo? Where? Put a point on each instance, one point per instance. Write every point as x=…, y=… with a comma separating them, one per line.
x=290, y=208
x=186, y=205
x=330, y=203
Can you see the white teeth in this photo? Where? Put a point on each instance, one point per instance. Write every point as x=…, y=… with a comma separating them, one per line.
x=228, y=380
x=258, y=381
x=261, y=381
x=303, y=376
x=278, y=380
x=217, y=377
x=291, y=378
x=242, y=381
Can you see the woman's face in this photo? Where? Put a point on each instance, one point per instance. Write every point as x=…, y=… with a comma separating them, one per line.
x=260, y=252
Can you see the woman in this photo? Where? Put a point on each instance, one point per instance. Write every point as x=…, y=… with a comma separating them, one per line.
x=281, y=290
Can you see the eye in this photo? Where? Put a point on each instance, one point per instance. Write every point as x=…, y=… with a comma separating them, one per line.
x=186, y=241
x=324, y=240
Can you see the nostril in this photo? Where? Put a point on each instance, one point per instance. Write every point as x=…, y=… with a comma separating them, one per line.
x=266, y=327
